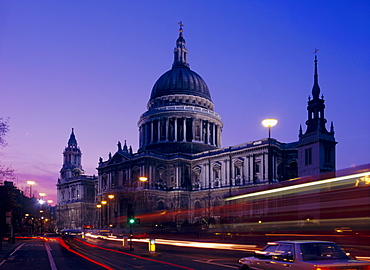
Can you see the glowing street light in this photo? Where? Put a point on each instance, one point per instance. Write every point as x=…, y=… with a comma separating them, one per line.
x=111, y=197
x=144, y=180
x=103, y=202
x=50, y=201
x=31, y=183
x=99, y=214
x=269, y=123
x=42, y=194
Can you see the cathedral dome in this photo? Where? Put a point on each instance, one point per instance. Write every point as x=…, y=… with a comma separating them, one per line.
x=180, y=80
x=180, y=116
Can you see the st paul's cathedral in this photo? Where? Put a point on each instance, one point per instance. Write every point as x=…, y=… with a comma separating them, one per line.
x=182, y=160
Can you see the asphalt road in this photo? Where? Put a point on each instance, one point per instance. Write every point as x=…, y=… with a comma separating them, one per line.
x=94, y=254
x=45, y=255
x=169, y=257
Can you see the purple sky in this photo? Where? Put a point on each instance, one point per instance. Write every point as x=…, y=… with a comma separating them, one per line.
x=90, y=65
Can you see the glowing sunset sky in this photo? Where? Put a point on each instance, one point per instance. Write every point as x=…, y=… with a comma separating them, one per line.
x=90, y=65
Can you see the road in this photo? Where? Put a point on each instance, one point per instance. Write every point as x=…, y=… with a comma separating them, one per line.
x=75, y=253
x=45, y=255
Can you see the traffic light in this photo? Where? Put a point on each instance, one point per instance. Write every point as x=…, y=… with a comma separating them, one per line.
x=130, y=214
x=131, y=221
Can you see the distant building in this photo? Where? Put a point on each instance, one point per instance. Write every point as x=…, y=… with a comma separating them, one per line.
x=181, y=153
x=316, y=147
x=75, y=191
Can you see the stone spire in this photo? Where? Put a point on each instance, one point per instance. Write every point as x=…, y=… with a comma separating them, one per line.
x=316, y=107
x=72, y=142
x=316, y=87
x=180, y=52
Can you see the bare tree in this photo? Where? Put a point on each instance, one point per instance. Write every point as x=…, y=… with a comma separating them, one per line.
x=6, y=173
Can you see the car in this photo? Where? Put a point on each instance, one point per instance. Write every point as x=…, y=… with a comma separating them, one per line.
x=302, y=255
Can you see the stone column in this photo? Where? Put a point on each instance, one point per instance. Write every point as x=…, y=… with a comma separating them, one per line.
x=219, y=137
x=184, y=129
x=193, y=129
x=214, y=134
x=175, y=131
x=141, y=136
x=144, y=134
x=167, y=122
x=264, y=168
x=177, y=176
x=207, y=132
x=151, y=131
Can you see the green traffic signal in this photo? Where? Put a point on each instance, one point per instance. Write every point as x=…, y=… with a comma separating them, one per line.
x=131, y=221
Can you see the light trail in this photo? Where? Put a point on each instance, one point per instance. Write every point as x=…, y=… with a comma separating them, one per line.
x=300, y=186
x=132, y=255
x=182, y=243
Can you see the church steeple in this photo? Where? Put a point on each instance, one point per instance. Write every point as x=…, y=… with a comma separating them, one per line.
x=180, y=52
x=72, y=142
x=71, y=159
x=316, y=87
x=316, y=120
x=316, y=147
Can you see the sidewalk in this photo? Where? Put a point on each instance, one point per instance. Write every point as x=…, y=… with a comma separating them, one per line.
x=8, y=248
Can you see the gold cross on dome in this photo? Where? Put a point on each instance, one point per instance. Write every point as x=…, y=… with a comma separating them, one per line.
x=181, y=25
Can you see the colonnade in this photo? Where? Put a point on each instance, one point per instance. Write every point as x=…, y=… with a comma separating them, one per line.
x=180, y=129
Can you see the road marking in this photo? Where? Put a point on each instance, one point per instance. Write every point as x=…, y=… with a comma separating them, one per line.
x=51, y=260
x=218, y=264
x=34, y=245
x=15, y=250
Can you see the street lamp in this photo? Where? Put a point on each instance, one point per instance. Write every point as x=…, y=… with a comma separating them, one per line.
x=99, y=214
x=31, y=183
x=143, y=179
x=269, y=123
x=111, y=197
x=103, y=213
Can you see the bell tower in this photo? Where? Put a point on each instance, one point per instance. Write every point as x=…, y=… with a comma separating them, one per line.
x=71, y=160
x=316, y=147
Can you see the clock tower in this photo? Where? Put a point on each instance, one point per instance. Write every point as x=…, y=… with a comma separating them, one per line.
x=71, y=160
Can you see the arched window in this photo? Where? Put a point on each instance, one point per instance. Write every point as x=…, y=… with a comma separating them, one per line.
x=197, y=205
x=293, y=169
x=161, y=205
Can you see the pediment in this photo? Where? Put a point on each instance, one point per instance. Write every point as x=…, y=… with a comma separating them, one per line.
x=118, y=158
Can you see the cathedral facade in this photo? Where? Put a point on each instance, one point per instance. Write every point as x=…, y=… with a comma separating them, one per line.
x=182, y=158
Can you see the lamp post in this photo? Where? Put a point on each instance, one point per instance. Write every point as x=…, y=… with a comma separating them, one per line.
x=31, y=183
x=144, y=180
x=99, y=214
x=103, y=212
x=111, y=197
x=269, y=123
